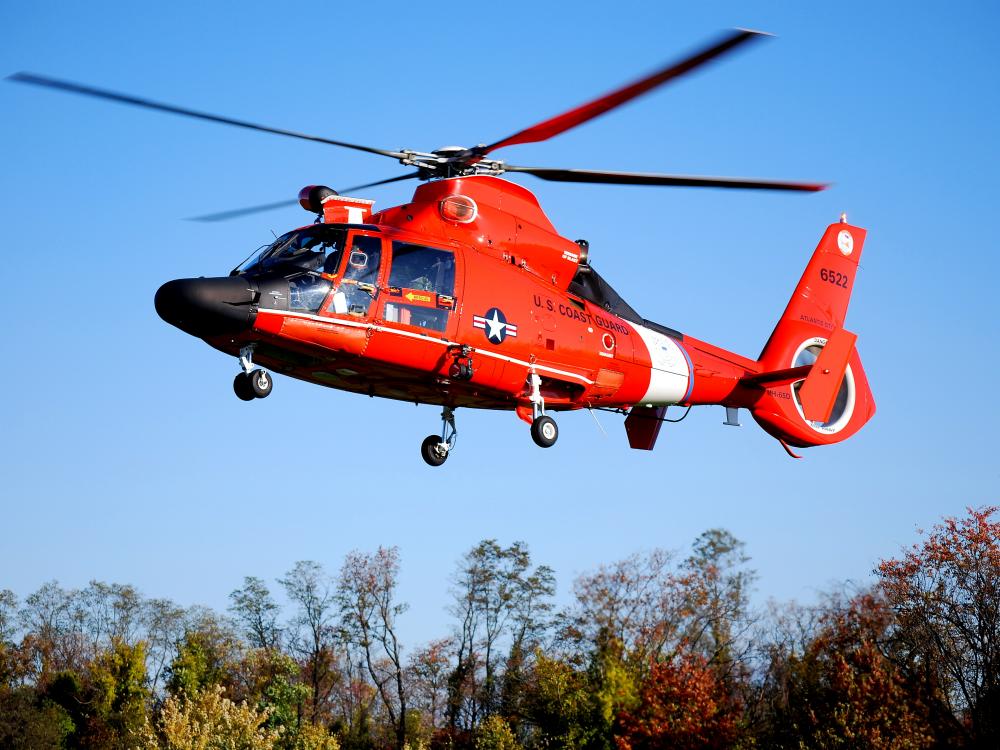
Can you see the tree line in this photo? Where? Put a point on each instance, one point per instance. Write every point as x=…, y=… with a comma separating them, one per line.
x=657, y=650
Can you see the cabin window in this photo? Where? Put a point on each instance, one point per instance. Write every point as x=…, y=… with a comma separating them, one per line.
x=424, y=269
x=421, y=286
x=416, y=315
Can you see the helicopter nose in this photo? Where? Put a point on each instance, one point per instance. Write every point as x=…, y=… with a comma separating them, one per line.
x=208, y=307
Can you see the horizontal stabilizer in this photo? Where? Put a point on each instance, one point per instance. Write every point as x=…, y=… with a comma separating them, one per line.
x=643, y=426
x=819, y=391
x=778, y=377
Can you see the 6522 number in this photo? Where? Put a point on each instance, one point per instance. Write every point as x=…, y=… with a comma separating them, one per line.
x=834, y=277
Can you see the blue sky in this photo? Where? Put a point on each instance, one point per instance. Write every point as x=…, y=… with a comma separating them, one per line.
x=125, y=455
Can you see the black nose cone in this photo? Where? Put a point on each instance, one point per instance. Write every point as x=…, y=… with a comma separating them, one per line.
x=207, y=307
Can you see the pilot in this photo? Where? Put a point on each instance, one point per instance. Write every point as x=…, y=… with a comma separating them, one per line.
x=332, y=258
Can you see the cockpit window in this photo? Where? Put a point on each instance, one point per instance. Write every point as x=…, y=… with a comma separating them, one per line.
x=307, y=291
x=316, y=248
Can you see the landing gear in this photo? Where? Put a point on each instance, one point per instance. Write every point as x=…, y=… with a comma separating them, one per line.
x=433, y=451
x=436, y=448
x=260, y=383
x=242, y=388
x=544, y=431
x=252, y=382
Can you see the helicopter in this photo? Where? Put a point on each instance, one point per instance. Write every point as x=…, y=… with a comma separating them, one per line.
x=467, y=297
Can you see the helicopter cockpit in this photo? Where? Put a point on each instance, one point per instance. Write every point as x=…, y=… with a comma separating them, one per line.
x=317, y=248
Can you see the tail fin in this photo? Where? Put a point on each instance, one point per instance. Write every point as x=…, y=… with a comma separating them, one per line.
x=814, y=319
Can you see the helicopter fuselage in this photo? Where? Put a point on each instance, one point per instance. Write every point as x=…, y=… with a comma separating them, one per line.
x=468, y=297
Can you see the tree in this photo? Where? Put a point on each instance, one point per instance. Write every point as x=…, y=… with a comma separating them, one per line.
x=832, y=686
x=207, y=720
x=205, y=656
x=637, y=603
x=270, y=679
x=366, y=593
x=53, y=636
x=718, y=589
x=499, y=601
x=427, y=675
x=495, y=734
x=30, y=724
x=313, y=631
x=117, y=678
x=945, y=593
x=682, y=704
x=257, y=613
x=109, y=613
x=165, y=624
x=8, y=616
x=561, y=708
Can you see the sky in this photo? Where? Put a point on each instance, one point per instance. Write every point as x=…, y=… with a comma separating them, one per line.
x=125, y=456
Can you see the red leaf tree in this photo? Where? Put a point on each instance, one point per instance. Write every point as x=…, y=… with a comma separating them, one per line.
x=945, y=593
x=682, y=704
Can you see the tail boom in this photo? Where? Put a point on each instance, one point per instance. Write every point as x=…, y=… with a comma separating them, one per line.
x=807, y=388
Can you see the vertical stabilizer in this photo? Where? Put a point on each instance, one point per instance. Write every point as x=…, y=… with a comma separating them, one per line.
x=834, y=401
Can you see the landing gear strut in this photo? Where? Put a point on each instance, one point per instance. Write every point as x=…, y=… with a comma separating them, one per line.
x=544, y=430
x=435, y=448
x=252, y=382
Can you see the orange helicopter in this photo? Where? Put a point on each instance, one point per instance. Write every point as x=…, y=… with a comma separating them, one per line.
x=467, y=296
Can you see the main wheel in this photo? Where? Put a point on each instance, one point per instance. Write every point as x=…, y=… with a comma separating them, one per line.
x=433, y=451
x=544, y=431
x=242, y=387
x=260, y=383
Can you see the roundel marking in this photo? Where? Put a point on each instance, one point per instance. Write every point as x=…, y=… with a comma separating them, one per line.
x=608, y=341
x=845, y=241
x=494, y=324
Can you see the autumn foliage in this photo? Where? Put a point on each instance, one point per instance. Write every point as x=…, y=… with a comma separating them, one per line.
x=658, y=650
x=682, y=704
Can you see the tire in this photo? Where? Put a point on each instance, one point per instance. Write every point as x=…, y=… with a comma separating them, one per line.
x=431, y=452
x=544, y=431
x=261, y=383
x=242, y=387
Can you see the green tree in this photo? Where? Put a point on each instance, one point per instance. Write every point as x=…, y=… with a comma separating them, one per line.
x=561, y=708
x=118, y=695
x=257, y=612
x=205, y=657
x=270, y=680
x=494, y=734
x=28, y=723
x=502, y=606
x=314, y=633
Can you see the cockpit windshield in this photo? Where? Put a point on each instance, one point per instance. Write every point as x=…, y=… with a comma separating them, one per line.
x=316, y=248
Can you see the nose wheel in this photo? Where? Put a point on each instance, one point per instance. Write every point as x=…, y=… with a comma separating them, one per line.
x=436, y=448
x=544, y=431
x=253, y=382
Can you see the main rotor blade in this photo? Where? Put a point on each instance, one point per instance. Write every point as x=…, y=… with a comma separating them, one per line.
x=77, y=88
x=238, y=212
x=561, y=123
x=399, y=178
x=643, y=178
